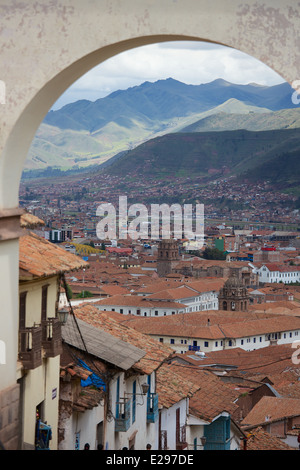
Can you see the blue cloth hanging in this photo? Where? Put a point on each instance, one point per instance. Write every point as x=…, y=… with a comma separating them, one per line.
x=93, y=379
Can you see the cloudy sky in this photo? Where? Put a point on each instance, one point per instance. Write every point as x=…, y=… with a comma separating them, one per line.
x=189, y=62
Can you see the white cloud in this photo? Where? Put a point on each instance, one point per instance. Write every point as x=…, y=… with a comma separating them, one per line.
x=189, y=62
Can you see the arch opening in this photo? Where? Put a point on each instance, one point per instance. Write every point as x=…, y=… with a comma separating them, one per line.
x=24, y=130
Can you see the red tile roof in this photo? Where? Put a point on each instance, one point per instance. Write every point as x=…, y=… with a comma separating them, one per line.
x=271, y=409
x=40, y=258
x=258, y=439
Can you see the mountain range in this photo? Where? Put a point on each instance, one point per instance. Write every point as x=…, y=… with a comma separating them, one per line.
x=88, y=133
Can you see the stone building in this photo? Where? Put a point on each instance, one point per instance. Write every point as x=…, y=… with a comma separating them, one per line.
x=233, y=295
x=167, y=257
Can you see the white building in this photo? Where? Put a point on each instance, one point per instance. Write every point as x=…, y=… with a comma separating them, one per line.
x=191, y=417
x=128, y=361
x=140, y=306
x=278, y=273
x=198, y=332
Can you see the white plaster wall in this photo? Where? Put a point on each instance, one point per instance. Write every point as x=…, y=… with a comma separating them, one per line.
x=144, y=433
x=168, y=420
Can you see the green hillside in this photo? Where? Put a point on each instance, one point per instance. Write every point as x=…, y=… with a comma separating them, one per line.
x=252, y=121
x=214, y=155
x=87, y=133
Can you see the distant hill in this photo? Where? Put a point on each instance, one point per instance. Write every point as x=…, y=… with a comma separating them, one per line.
x=251, y=121
x=270, y=155
x=86, y=133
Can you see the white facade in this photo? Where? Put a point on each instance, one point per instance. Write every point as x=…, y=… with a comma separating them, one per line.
x=168, y=422
x=143, y=310
x=182, y=344
x=137, y=431
x=284, y=274
x=81, y=428
x=201, y=301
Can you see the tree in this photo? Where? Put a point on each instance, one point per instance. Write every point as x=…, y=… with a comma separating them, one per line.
x=213, y=253
x=83, y=294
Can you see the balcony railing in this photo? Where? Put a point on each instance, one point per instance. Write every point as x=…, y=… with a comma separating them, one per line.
x=30, y=347
x=152, y=407
x=51, y=337
x=194, y=348
x=181, y=438
x=163, y=440
x=122, y=421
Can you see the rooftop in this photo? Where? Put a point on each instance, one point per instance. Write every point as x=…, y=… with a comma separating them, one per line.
x=40, y=258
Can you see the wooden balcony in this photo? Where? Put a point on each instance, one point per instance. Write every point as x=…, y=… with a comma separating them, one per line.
x=51, y=337
x=181, y=438
x=163, y=440
x=30, y=347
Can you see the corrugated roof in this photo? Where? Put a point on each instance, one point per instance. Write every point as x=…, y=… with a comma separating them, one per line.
x=155, y=352
x=101, y=344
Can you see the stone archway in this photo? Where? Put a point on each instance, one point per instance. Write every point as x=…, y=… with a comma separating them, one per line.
x=46, y=46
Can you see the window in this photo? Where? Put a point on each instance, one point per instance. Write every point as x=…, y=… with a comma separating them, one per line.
x=172, y=341
x=156, y=312
x=44, y=302
x=206, y=344
x=121, y=310
x=161, y=340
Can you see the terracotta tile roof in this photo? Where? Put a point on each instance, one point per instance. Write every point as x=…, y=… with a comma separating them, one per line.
x=208, y=396
x=171, y=387
x=111, y=289
x=261, y=326
x=281, y=268
x=156, y=286
x=39, y=258
x=195, y=325
x=30, y=221
x=155, y=352
x=137, y=301
x=258, y=439
x=207, y=284
x=271, y=409
x=88, y=399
